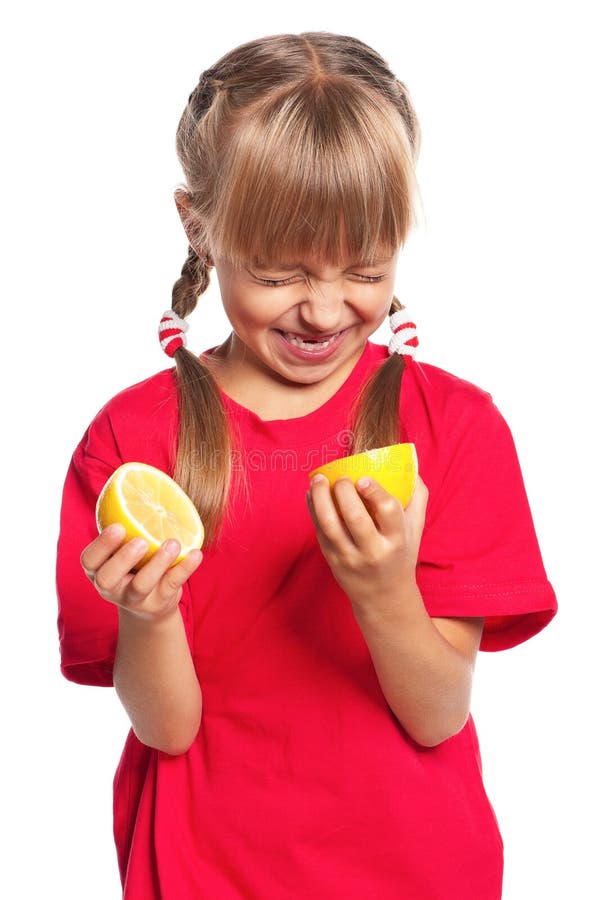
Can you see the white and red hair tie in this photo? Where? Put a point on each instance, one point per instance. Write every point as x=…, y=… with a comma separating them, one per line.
x=404, y=335
x=171, y=332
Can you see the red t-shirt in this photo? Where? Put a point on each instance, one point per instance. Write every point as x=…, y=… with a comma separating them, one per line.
x=301, y=781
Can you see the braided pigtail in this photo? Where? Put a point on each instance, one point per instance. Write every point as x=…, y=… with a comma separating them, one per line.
x=203, y=473
x=193, y=281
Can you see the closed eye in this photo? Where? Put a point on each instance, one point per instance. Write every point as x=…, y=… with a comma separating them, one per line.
x=271, y=281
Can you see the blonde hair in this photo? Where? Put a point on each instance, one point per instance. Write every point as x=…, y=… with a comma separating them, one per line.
x=292, y=145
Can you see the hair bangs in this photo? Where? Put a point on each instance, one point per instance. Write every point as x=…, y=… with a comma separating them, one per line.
x=319, y=170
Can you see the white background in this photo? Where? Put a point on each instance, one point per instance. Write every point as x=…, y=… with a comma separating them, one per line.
x=500, y=277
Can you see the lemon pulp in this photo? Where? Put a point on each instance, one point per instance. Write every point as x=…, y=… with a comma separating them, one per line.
x=150, y=505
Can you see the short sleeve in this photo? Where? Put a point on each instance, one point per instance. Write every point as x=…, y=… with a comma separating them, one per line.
x=87, y=624
x=479, y=554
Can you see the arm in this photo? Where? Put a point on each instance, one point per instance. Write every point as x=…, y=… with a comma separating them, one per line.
x=424, y=665
x=154, y=675
x=155, y=679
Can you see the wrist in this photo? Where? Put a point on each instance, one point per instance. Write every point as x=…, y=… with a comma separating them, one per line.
x=402, y=604
x=141, y=621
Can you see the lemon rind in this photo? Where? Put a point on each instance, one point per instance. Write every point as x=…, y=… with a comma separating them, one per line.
x=366, y=455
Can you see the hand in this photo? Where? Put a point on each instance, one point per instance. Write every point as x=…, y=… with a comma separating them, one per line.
x=151, y=593
x=372, y=546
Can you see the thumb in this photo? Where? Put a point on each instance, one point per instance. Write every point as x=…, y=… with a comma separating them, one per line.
x=416, y=508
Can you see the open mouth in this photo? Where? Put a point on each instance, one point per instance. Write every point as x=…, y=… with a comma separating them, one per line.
x=309, y=343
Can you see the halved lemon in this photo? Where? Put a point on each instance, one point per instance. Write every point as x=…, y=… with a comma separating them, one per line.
x=150, y=505
x=394, y=468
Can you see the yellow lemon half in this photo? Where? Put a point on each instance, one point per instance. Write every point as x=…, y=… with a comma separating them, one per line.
x=150, y=505
x=394, y=468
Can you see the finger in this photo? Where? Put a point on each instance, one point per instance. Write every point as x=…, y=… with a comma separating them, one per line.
x=416, y=508
x=355, y=514
x=109, y=576
x=329, y=523
x=154, y=591
x=323, y=540
x=384, y=509
x=101, y=548
x=176, y=576
x=148, y=577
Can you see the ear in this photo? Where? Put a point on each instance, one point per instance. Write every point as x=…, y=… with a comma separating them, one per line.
x=189, y=220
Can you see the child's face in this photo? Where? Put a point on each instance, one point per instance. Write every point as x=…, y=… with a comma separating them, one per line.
x=316, y=300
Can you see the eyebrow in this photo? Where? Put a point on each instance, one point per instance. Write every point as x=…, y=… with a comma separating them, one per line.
x=291, y=266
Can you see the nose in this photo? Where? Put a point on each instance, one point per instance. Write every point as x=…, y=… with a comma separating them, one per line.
x=323, y=310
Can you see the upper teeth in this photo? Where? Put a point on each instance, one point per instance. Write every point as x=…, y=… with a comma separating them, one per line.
x=309, y=345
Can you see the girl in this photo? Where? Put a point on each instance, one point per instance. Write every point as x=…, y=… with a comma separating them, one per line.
x=300, y=700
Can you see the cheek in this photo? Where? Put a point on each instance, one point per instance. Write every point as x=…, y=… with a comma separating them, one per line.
x=260, y=315
x=264, y=307
x=254, y=309
x=381, y=303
